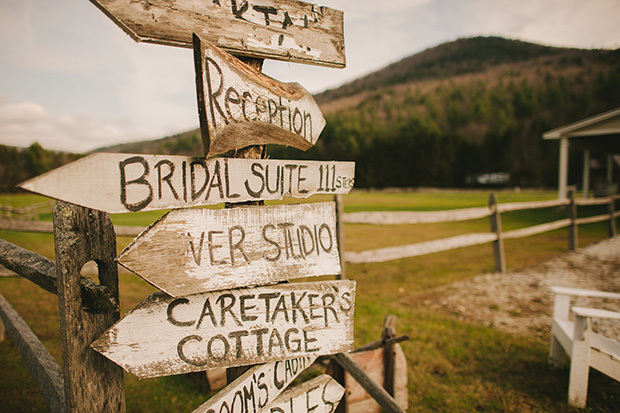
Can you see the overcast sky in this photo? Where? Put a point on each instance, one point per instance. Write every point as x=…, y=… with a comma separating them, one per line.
x=71, y=80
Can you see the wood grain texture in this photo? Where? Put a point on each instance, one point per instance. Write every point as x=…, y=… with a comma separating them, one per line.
x=189, y=251
x=239, y=106
x=44, y=370
x=40, y=270
x=321, y=394
x=117, y=183
x=288, y=30
x=258, y=387
x=372, y=362
x=92, y=383
x=164, y=336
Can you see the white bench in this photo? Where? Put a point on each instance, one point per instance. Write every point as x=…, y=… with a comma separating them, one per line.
x=585, y=348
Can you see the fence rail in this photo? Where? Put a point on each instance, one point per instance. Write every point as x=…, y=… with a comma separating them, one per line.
x=27, y=212
x=496, y=235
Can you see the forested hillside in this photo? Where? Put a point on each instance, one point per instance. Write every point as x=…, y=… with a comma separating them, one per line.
x=20, y=164
x=472, y=106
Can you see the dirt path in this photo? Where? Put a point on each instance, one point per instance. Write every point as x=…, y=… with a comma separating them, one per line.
x=521, y=302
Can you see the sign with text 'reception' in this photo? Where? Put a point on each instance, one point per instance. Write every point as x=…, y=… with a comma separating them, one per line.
x=165, y=335
x=189, y=251
x=254, y=390
x=288, y=30
x=239, y=106
x=116, y=182
x=322, y=394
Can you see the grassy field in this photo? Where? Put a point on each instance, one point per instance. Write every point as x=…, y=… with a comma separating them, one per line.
x=452, y=365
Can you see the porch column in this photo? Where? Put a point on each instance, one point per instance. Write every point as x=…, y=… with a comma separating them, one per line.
x=563, y=172
x=586, y=174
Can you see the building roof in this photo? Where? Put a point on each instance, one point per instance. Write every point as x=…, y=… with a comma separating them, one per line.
x=598, y=132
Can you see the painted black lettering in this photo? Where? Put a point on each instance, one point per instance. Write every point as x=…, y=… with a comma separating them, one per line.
x=307, y=121
x=292, y=345
x=300, y=179
x=287, y=20
x=275, y=340
x=213, y=103
x=196, y=253
x=227, y=179
x=262, y=386
x=313, y=306
x=278, y=383
x=227, y=308
x=207, y=311
x=267, y=297
x=275, y=190
x=216, y=181
x=184, y=165
x=192, y=178
x=237, y=245
x=248, y=396
x=238, y=11
x=272, y=242
x=183, y=356
x=226, y=347
x=296, y=114
x=296, y=307
x=322, y=228
x=237, y=335
x=308, y=340
x=273, y=109
x=266, y=12
x=161, y=179
x=290, y=169
x=169, y=312
x=256, y=169
x=213, y=246
x=259, y=340
x=309, y=407
x=136, y=206
x=346, y=296
x=328, y=301
x=332, y=405
x=305, y=230
x=231, y=96
x=280, y=308
x=247, y=97
x=243, y=307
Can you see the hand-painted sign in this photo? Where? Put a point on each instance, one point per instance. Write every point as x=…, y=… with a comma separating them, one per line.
x=322, y=394
x=189, y=251
x=253, y=391
x=165, y=335
x=289, y=30
x=240, y=106
x=115, y=182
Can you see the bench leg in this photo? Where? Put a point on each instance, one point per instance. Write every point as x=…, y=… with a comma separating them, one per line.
x=580, y=364
x=556, y=353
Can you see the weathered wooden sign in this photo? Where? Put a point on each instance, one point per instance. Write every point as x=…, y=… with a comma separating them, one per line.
x=240, y=106
x=165, y=335
x=115, y=182
x=322, y=394
x=254, y=390
x=189, y=251
x=289, y=30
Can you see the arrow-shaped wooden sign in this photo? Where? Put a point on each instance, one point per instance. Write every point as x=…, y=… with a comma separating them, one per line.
x=289, y=30
x=240, y=106
x=322, y=394
x=258, y=387
x=165, y=335
x=197, y=250
x=116, y=182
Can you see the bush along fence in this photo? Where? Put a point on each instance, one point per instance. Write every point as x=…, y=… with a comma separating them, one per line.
x=495, y=236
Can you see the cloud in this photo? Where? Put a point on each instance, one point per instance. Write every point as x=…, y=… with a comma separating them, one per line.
x=23, y=123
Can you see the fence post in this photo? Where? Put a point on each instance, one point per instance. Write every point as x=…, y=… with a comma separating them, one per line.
x=340, y=235
x=495, y=220
x=572, y=216
x=389, y=333
x=92, y=382
x=612, y=220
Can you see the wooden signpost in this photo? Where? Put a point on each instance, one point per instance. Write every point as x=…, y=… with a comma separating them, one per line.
x=288, y=30
x=165, y=335
x=237, y=104
x=319, y=395
x=258, y=387
x=190, y=251
x=116, y=182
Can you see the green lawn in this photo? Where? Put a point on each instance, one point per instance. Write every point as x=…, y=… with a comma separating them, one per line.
x=452, y=365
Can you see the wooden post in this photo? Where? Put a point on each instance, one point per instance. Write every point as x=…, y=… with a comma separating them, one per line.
x=387, y=402
x=340, y=234
x=389, y=332
x=612, y=220
x=572, y=215
x=92, y=382
x=495, y=220
x=2, y=331
x=250, y=152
